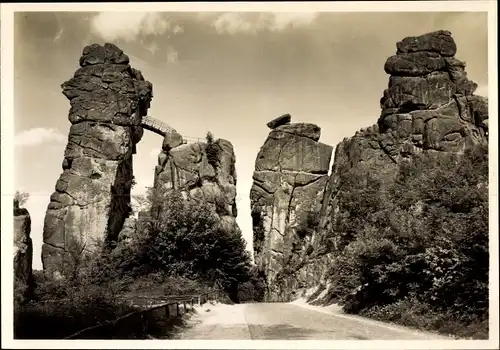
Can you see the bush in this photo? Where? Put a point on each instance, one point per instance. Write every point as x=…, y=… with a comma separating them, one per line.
x=413, y=313
x=425, y=238
x=212, y=150
x=254, y=289
x=185, y=237
x=182, y=248
x=61, y=307
x=20, y=199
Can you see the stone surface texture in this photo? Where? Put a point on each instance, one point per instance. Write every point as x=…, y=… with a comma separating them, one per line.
x=23, y=246
x=92, y=196
x=186, y=167
x=429, y=107
x=291, y=172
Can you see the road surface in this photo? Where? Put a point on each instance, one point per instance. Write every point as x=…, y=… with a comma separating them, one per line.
x=289, y=321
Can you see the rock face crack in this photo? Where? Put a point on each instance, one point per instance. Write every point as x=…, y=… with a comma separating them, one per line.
x=186, y=168
x=289, y=178
x=98, y=156
x=425, y=110
x=428, y=108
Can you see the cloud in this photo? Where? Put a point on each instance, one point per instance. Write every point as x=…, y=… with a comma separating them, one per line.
x=38, y=136
x=172, y=55
x=58, y=35
x=177, y=29
x=153, y=47
x=128, y=26
x=251, y=23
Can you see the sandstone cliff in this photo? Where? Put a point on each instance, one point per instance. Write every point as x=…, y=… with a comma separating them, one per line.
x=108, y=99
x=23, y=246
x=289, y=179
x=201, y=170
x=429, y=107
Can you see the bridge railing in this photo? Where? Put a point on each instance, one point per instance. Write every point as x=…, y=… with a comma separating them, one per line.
x=138, y=322
x=193, y=139
x=156, y=125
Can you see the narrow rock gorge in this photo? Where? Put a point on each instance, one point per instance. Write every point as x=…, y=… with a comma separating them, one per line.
x=92, y=196
x=289, y=179
x=204, y=171
x=428, y=108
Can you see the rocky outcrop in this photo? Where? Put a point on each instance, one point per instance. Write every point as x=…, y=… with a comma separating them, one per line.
x=23, y=246
x=204, y=171
x=92, y=199
x=289, y=179
x=428, y=108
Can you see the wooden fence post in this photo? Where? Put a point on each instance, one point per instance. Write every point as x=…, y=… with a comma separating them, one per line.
x=178, y=313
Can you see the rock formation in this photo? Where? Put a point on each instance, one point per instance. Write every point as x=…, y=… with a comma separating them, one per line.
x=23, y=247
x=108, y=100
x=202, y=170
x=289, y=179
x=428, y=108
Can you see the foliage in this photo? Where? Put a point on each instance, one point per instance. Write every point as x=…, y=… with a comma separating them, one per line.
x=258, y=229
x=20, y=199
x=212, y=150
x=181, y=247
x=423, y=238
x=414, y=313
x=308, y=224
x=254, y=289
x=183, y=237
x=66, y=303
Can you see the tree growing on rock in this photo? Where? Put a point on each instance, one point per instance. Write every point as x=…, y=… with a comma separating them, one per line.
x=20, y=199
x=212, y=150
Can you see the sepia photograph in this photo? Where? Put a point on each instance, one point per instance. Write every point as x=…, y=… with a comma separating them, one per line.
x=288, y=173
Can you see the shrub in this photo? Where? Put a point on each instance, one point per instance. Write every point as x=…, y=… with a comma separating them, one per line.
x=424, y=238
x=185, y=237
x=254, y=289
x=63, y=306
x=258, y=229
x=212, y=150
x=20, y=199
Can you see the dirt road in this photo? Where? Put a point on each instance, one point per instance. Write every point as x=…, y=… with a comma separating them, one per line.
x=290, y=321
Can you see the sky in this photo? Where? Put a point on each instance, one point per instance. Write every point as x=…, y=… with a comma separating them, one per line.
x=228, y=73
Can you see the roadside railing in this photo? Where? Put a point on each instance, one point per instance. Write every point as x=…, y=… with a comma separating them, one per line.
x=138, y=322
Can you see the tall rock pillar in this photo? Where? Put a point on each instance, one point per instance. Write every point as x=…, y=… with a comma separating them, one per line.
x=289, y=179
x=92, y=196
x=429, y=108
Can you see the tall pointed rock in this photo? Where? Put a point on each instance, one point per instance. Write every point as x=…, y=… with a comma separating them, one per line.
x=92, y=196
